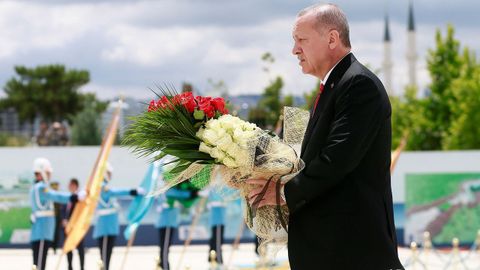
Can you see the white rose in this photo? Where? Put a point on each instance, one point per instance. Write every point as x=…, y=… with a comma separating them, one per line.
x=218, y=154
x=233, y=150
x=229, y=162
x=249, y=126
x=204, y=148
x=200, y=133
x=213, y=124
x=210, y=137
x=228, y=125
x=224, y=142
x=221, y=133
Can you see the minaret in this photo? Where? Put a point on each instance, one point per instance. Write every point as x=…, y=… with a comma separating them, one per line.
x=387, y=59
x=411, y=48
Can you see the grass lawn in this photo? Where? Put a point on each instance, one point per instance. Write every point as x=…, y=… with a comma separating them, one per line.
x=425, y=188
x=14, y=218
x=463, y=225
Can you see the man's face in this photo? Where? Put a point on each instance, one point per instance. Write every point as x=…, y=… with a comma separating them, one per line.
x=310, y=47
x=72, y=187
x=38, y=176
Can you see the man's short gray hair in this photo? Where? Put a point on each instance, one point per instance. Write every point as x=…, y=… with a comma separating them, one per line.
x=331, y=17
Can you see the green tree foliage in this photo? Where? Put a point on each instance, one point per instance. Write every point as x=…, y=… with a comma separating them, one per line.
x=288, y=100
x=270, y=106
x=447, y=117
x=408, y=118
x=271, y=101
x=49, y=91
x=86, y=127
x=444, y=64
x=257, y=115
x=7, y=139
x=464, y=129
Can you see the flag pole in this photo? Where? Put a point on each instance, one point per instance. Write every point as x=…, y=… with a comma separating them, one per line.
x=129, y=245
x=196, y=218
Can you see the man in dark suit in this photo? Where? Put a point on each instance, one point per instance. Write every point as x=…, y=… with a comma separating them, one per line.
x=341, y=211
x=73, y=187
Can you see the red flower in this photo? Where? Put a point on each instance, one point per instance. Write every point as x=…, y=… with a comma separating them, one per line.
x=205, y=105
x=152, y=106
x=187, y=100
x=219, y=104
x=163, y=102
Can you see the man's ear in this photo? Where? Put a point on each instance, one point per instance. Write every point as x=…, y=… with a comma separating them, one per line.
x=333, y=39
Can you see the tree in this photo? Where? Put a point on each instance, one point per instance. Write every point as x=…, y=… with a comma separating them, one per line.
x=86, y=127
x=444, y=64
x=257, y=115
x=447, y=117
x=187, y=87
x=288, y=100
x=464, y=129
x=270, y=101
x=49, y=91
x=408, y=117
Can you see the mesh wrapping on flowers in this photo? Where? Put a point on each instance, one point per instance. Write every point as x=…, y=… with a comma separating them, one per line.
x=270, y=158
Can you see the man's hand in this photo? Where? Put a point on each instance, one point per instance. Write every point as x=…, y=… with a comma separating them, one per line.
x=270, y=196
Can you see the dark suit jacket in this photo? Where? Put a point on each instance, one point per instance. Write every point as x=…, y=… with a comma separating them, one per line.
x=341, y=211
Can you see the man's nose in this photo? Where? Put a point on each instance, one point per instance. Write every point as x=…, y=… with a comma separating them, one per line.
x=296, y=49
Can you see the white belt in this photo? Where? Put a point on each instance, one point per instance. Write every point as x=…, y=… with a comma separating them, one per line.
x=176, y=204
x=216, y=204
x=105, y=212
x=44, y=213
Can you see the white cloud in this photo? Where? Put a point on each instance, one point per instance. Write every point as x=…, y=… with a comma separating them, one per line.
x=150, y=47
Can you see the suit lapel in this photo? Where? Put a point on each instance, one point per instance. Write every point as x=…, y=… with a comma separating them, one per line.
x=330, y=85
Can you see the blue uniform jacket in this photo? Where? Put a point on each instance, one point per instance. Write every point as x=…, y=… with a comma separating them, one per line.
x=107, y=212
x=169, y=215
x=43, y=216
x=216, y=206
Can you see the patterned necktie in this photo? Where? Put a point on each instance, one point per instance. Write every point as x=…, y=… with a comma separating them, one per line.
x=318, y=97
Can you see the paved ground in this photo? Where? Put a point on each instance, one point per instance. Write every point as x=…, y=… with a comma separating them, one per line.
x=143, y=258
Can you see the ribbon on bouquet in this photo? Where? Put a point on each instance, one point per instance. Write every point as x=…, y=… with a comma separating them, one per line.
x=255, y=205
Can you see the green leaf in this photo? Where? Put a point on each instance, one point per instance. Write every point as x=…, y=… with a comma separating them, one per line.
x=198, y=114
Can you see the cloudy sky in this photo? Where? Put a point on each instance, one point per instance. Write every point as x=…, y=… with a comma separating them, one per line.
x=129, y=46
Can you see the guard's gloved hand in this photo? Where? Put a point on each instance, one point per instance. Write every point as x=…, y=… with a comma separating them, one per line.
x=141, y=191
x=82, y=195
x=32, y=218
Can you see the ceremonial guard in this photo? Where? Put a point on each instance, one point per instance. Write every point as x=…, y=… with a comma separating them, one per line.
x=183, y=196
x=107, y=225
x=73, y=187
x=43, y=215
x=216, y=207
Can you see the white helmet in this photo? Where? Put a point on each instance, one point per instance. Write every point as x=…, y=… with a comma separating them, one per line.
x=108, y=170
x=109, y=167
x=42, y=166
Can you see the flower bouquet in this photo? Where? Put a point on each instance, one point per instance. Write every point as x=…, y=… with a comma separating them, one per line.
x=206, y=142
